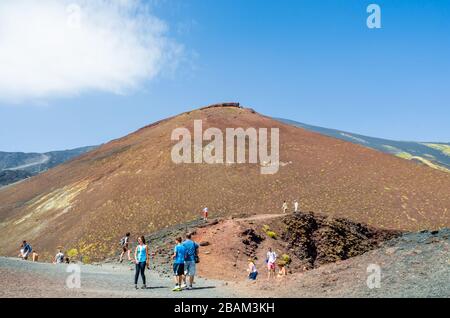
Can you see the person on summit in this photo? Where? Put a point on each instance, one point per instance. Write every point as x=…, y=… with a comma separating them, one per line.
x=142, y=260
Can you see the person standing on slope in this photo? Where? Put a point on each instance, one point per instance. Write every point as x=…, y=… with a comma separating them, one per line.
x=179, y=254
x=124, y=243
x=295, y=206
x=190, y=260
x=252, y=271
x=142, y=260
x=284, y=207
x=205, y=214
x=271, y=260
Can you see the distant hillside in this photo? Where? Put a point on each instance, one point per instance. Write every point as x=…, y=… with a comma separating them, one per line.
x=16, y=166
x=435, y=155
x=11, y=176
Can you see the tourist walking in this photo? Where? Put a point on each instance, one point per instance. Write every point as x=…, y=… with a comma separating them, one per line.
x=271, y=259
x=179, y=255
x=191, y=260
x=124, y=244
x=252, y=271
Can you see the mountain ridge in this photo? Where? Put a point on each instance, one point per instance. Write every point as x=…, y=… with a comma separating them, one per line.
x=131, y=184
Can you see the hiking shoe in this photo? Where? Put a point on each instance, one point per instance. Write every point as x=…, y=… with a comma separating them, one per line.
x=188, y=287
x=183, y=286
x=135, y=287
x=144, y=286
x=176, y=288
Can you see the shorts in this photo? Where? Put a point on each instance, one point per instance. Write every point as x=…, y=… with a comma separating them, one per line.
x=205, y=214
x=271, y=266
x=178, y=269
x=125, y=248
x=253, y=275
x=189, y=268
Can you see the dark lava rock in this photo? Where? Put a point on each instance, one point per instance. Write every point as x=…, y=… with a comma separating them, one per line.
x=251, y=240
x=318, y=240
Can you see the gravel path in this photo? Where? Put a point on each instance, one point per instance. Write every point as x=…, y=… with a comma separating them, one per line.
x=27, y=279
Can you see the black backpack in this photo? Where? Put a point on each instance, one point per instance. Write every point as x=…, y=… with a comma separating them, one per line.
x=196, y=257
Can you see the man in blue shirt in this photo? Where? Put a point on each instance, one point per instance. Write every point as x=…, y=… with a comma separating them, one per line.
x=191, y=259
x=179, y=254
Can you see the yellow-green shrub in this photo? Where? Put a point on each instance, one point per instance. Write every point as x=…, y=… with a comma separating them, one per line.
x=286, y=258
x=72, y=253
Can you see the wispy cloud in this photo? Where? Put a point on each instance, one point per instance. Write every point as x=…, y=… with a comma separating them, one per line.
x=51, y=48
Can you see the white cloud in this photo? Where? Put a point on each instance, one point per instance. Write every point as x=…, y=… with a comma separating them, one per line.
x=52, y=48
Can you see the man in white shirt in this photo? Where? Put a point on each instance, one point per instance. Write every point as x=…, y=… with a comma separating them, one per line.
x=295, y=206
x=59, y=258
x=205, y=214
x=271, y=260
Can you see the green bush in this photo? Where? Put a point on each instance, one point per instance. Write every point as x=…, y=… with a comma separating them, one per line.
x=286, y=258
x=72, y=253
x=86, y=260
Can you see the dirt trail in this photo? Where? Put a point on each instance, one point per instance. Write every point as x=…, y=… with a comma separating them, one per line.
x=44, y=159
x=261, y=217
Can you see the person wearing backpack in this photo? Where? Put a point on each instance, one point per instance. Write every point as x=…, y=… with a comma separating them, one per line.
x=59, y=258
x=190, y=260
x=25, y=251
x=124, y=243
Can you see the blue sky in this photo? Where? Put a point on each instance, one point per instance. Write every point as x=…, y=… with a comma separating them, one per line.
x=311, y=61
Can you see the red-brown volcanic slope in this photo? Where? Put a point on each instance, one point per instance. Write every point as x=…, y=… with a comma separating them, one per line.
x=131, y=184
